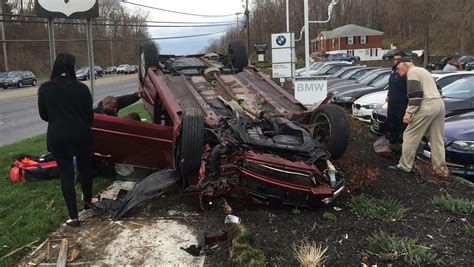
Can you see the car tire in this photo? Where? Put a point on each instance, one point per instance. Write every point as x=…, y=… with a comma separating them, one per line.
x=149, y=57
x=34, y=83
x=237, y=53
x=331, y=129
x=191, y=141
x=20, y=84
x=353, y=61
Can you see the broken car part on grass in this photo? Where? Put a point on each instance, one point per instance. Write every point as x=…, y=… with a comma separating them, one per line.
x=221, y=127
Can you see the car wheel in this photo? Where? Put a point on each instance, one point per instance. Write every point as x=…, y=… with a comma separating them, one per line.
x=149, y=57
x=353, y=61
x=189, y=150
x=20, y=84
x=34, y=83
x=331, y=129
x=385, y=58
x=237, y=53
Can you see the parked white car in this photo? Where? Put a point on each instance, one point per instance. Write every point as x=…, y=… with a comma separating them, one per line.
x=362, y=108
x=122, y=69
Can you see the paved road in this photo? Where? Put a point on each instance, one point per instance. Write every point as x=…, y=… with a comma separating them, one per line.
x=19, y=118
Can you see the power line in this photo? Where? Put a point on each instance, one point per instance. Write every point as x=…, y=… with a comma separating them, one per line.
x=178, y=12
x=121, y=20
x=123, y=25
x=118, y=40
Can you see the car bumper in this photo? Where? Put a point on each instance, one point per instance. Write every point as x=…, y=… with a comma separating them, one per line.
x=361, y=113
x=378, y=126
x=459, y=163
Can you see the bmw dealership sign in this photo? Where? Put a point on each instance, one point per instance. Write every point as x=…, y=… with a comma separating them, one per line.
x=72, y=9
x=283, y=55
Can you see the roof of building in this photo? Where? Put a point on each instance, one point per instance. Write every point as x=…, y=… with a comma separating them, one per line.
x=350, y=30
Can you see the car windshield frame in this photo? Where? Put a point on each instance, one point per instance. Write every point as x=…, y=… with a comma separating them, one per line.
x=454, y=90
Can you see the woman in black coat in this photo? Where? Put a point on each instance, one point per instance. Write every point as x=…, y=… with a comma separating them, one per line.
x=66, y=104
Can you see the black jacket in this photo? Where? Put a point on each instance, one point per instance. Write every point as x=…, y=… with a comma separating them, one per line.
x=66, y=104
x=397, y=92
x=123, y=102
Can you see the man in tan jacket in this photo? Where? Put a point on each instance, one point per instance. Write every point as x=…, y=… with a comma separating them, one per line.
x=424, y=116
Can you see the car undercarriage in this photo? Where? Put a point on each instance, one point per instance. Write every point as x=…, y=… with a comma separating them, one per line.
x=223, y=128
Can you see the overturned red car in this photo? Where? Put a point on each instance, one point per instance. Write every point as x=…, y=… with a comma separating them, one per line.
x=221, y=127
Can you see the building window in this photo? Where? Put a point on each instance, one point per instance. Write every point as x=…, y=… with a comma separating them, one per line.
x=350, y=40
x=333, y=43
x=363, y=39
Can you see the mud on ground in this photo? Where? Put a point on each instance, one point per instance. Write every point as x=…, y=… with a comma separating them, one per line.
x=275, y=230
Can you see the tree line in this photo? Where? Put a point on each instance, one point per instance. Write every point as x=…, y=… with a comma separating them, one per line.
x=438, y=26
x=116, y=23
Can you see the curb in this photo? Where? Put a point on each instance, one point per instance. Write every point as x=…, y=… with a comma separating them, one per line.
x=30, y=92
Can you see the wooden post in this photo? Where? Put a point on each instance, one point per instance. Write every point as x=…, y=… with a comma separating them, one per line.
x=62, y=258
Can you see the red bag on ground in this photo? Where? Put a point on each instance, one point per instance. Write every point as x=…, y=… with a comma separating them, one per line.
x=29, y=168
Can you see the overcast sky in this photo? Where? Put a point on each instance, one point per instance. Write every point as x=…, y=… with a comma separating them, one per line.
x=205, y=7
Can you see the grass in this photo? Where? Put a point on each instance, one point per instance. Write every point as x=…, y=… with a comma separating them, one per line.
x=295, y=211
x=386, y=209
x=242, y=251
x=469, y=230
x=30, y=210
x=310, y=255
x=138, y=108
x=455, y=205
x=391, y=248
x=329, y=216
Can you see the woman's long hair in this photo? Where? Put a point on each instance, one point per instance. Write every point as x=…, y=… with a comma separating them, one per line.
x=64, y=64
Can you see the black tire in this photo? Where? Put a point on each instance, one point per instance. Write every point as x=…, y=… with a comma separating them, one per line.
x=237, y=53
x=353, y=60
x=20, y=84
x=189, y=150
x=149, y=57
x=332, y=129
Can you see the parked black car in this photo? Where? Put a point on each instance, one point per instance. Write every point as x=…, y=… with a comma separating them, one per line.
x=84, y=74
x=390, y=53
x=440, y=64
x=459, y=145
x=18, y=79
x=346, y=98
x=361, y=82
x=465, y=59
x=349, y=76
x=458, y=98
x=469, y=65
x=343, y=57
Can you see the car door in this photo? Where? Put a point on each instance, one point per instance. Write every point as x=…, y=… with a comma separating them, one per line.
x=132, y=142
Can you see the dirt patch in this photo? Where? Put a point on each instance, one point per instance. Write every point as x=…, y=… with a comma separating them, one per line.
x=276, y=229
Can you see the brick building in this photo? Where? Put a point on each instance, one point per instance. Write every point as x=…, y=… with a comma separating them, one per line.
x=351, y=39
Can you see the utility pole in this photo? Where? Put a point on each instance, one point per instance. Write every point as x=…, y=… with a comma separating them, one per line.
x=287, y=16
x=247, y=14
x=427, y=18
x=2, y=29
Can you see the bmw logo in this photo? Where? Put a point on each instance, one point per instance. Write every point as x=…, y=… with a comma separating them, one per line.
x=281, y=40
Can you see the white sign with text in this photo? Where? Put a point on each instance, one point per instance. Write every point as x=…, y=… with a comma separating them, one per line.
x=310, y=91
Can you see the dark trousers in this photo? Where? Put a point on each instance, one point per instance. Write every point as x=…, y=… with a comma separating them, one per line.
x=395, y=125
x=66, y=172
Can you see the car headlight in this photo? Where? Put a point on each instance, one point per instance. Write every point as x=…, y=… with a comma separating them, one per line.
x=463, y=145
x=385, y=105
x=371, y=106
